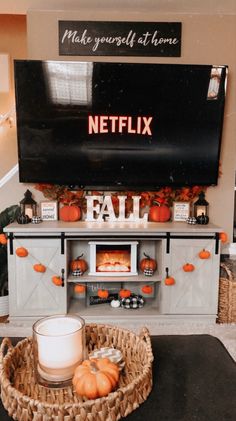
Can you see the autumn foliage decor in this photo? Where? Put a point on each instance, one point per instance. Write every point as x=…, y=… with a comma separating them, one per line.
x=164, y=196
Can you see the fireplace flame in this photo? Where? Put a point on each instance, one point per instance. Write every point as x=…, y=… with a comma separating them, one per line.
x=113, y=261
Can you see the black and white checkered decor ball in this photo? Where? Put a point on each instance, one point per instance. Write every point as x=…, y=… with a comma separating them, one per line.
x=148, y=272
x=77, y=272
x=191, y=220
x=132, y=302
x=36, y=220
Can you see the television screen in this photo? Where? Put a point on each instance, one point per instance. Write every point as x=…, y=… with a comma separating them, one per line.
x=115, y=126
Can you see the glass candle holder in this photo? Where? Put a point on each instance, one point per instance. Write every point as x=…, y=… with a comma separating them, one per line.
x=58, y=347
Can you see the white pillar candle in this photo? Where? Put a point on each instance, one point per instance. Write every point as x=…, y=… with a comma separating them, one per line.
x=60, y=346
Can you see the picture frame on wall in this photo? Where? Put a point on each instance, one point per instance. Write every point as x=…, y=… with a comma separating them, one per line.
x=49, y=210
x=181, y=211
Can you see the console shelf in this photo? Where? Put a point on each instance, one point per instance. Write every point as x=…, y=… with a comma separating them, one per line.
x=106, y=311
x=121, y=279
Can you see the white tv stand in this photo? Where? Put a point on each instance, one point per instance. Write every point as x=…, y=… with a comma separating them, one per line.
x=194, y=297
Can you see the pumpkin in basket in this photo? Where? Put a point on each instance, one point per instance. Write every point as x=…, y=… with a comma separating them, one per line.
x=95, y=378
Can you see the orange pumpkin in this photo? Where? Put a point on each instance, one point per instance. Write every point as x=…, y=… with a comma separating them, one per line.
x=95, y=378
x=169, y=280
x=148, y=263
x=147, y=289
x=79, y=288
x=223, y=237
x=79, y=263
x=204, y=254
x=103, y=293
x=21, y=252
x=57, y=280
x=38, y=267
x=188, y=267
x=159, y=213
x=70, y=213
x=124, y=293
x=3, y=239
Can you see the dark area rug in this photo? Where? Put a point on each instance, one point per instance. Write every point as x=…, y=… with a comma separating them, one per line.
x=194, y=380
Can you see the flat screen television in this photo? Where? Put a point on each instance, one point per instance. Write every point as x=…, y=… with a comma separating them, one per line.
x=116, y=126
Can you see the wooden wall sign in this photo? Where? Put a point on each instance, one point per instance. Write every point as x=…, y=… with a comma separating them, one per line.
x=157, y=39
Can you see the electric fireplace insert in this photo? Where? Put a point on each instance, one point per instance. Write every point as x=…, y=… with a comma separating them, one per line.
x=113, y=258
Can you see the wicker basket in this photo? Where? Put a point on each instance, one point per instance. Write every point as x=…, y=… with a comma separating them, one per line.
x=25, y=400
x=227, y=296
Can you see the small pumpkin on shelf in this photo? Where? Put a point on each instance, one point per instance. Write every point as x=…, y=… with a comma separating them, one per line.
x=188, y=267
x=148, y=265
x=124, y=293
x=79, y=288
x=79, y=264
x=202, y=219
x=103, y=293
x=204, y=254
x=39, y=267
x=159, y=212
x=95, y=378
x=23, y=219
x=147, y=289
x=70, y=213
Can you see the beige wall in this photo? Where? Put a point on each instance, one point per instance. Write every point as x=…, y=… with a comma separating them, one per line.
x=13, y=41
x=206, y=39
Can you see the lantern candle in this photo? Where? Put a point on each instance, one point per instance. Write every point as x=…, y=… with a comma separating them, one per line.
x=200, y=210
x=201, y=206
x=58, y=348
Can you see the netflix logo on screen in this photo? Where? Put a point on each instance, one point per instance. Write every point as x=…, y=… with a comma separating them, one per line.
x=119, y=124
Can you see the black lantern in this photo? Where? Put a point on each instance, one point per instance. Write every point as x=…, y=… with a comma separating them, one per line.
x=28, y=206
x=201, y=206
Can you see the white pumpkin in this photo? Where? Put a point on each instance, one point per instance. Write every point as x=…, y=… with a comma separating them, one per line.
x=115, y=303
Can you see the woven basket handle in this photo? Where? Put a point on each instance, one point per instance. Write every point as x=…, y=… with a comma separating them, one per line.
x=5, y=345
x=228, y=271
x=144, y=334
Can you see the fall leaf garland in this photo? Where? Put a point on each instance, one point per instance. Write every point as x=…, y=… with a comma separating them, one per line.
x=165, y=195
